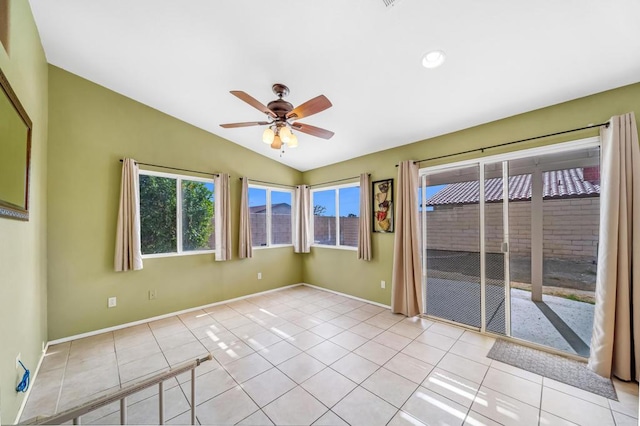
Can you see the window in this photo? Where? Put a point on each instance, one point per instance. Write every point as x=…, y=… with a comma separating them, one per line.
x=176, y=214
x=270, y=212
x=336, y=216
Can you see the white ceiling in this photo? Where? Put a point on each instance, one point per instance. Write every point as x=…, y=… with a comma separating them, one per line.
x=504, y=57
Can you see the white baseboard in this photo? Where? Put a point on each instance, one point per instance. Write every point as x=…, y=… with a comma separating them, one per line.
x=348, y=295
x=184, y=311
x=32, y=381
x=159, y=317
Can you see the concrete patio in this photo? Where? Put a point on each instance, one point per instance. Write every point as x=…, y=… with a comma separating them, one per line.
x=556, y=322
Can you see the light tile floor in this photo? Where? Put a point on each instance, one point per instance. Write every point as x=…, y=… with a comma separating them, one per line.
x=305, y=356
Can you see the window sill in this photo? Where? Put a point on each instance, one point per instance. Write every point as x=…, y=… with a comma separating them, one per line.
x=272, y=246
x=186, y=253
x=348, y=248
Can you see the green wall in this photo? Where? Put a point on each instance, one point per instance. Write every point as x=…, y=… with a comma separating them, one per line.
x=341, y=270
x=91, y=128
x=23, y=256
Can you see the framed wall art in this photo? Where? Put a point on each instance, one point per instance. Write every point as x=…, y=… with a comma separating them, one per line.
x=15, y=154
x=383, y=205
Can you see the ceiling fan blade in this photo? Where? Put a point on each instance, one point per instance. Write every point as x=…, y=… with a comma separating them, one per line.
x=245, y=124
x=312, y=106
x=313, y=130
x=253, y=102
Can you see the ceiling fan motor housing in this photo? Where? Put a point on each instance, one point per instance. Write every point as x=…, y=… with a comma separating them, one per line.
x=280, y=107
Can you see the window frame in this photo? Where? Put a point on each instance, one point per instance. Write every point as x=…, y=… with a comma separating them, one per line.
x=336, y=189
x=178, y=178
x=269, y=214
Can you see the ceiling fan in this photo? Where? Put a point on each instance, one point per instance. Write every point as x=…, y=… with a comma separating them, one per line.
x=282, y=117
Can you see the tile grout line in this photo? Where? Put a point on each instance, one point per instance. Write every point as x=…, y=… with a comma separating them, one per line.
x=155, y=338
x=378, y=324
x=313, y=375
x=324, y=340
x=115, y=352
x=64, y=375
x=240, y=384
x=192, y=403
x=282, y=372
x=357, y=385
x=540, y=409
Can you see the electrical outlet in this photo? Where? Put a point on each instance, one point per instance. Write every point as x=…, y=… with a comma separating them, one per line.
x=18, y=360
x=112, y=302
x=153, y=294
x=259, y=275
x=383, y=284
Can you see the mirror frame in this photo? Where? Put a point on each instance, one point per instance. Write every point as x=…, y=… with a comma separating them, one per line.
x=10, y=210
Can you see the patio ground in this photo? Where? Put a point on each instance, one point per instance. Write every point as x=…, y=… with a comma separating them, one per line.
x=560, y=323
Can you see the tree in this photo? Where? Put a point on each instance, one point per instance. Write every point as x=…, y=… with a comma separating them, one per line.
x=352, y=215
x=197, y=212
x=158, y=215
x=319, y=210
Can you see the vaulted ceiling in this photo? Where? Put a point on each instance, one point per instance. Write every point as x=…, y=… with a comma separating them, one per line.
x=503, y=57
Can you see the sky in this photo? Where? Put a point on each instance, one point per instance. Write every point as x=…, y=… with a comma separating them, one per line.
x=349, y=199
x=431, y=190
x=258, y=197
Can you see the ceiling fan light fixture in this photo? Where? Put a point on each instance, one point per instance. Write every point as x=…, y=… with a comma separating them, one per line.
x=433, y=59
x=285, y=134
x=268, y=135
x=277, y=143
x=293, y=141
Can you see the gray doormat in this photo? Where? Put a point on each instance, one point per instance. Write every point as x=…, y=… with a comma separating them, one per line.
x=556, y=367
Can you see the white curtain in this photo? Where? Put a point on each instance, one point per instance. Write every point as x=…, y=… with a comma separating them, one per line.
x=302, y=217
x=245, y=249
x=128, y=255
x=615, y=341
x=364, y=227
x=222, y=217
x=406, y=284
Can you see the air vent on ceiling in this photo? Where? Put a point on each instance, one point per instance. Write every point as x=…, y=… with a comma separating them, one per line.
x=389, y=3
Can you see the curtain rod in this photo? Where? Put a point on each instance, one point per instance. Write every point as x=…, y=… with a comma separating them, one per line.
x=176, y=168
x=269, y=183
x=334, y=181
x=512, y=142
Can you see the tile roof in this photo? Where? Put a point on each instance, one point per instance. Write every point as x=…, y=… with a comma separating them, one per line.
x=568, y=183
x=280, y=207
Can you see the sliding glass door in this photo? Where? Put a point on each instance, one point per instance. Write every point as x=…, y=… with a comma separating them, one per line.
x=495, y=242
x=554, y=219
x=509, y=244
x=452, y=249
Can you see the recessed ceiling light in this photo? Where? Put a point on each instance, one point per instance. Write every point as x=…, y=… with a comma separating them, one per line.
x=433, y=59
